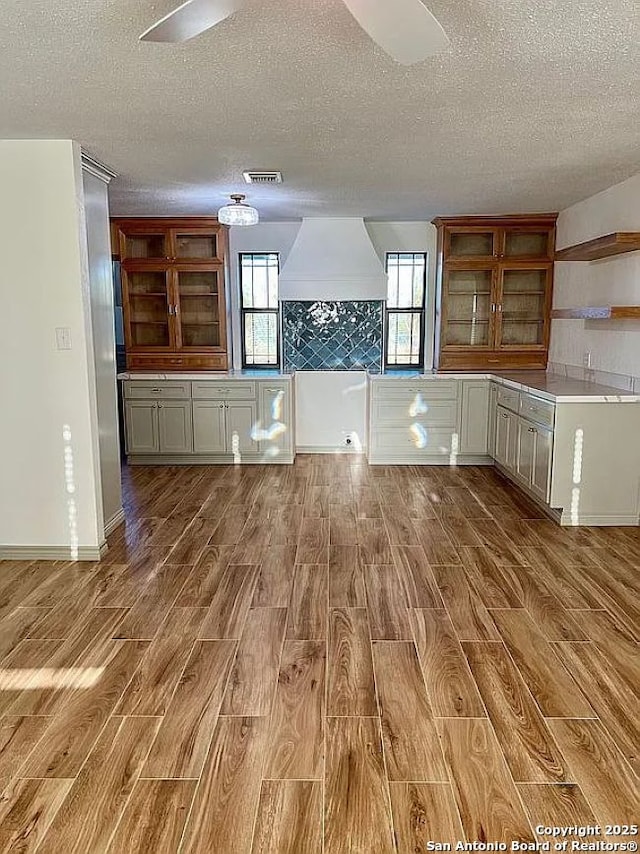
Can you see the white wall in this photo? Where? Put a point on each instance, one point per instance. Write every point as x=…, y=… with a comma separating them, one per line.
x=385, y=236
x=614, y=345
x=96, y=210
x=46, y=393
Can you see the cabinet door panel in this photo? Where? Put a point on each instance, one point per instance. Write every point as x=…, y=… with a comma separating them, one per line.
x=521, y=242
x=526, y=450
x=195, y=244
x=242, y=427
x=475, y=408
x=541, y=473
x=141, y=420
x=469, y=242
x=467, y=312
x=493, y=403
x=209, y=427
x=524, y=300
x=175, y=427
x=275, y=434
x=199, y=310
x=506, y=438
x=146, y=308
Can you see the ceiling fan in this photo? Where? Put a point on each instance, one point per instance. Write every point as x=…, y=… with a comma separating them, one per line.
x=405, y=29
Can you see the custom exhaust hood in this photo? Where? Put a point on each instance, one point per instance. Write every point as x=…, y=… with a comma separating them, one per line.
x=333, y=259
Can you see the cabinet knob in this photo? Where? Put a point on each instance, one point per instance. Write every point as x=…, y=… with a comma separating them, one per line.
x=532, y=430
x=221, y=406
x=160, y=405
x=503, y=415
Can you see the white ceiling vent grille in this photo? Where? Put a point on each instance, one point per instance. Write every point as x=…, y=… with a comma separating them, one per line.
x=261, y=177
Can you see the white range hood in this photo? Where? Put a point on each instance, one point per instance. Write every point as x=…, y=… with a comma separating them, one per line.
x=332, y=258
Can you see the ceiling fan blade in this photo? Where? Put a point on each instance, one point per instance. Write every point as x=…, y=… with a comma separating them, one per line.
x=405, y=29
x=190, y=19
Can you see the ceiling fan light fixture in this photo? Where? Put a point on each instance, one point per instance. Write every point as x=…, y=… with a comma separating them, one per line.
x=238, y=213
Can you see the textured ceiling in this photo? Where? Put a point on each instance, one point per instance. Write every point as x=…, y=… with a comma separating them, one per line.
x=535, y=105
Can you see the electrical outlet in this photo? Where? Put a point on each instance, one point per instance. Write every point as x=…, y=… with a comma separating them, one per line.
x=586, y=359
x=63, y=338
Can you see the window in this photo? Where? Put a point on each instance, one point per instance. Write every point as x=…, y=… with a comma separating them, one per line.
x=259, y=309
x=404, y=314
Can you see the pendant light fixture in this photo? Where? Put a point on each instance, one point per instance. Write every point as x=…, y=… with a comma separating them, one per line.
x=238, y=213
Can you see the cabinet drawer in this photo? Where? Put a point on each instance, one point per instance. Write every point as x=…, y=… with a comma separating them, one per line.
x=172, y=390
x=436, y=413
x=423, y=442
x=223, y=390
x=508, y=398
x=536, y=409
x=156, y=362
x=407, y=390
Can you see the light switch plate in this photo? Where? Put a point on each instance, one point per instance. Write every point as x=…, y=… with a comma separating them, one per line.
x=63, y=338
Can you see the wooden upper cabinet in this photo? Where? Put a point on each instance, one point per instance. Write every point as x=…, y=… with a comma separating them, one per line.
x=495, y=282
x=173, y=283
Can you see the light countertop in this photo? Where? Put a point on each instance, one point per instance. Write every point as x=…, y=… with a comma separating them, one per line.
x=546, y=385
x=205, y=375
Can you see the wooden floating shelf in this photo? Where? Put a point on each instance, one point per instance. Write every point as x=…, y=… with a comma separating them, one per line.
x=602, y=247
x=604, y=312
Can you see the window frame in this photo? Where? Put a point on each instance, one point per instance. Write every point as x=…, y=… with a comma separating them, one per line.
x=245, y=311
x=421, y=312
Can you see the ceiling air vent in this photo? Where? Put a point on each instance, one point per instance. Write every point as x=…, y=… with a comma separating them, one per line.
x=262, y=177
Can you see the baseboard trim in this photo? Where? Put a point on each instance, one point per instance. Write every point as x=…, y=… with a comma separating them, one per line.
x=207, y=460
x=379, y=459
x=116, y=520
x=323, y=449
x=569, y=521
x=85, y=553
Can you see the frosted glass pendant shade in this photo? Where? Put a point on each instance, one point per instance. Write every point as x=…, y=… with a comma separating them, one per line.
x=238, y=213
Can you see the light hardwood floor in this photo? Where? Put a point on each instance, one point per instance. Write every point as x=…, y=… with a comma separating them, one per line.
x=327, y=657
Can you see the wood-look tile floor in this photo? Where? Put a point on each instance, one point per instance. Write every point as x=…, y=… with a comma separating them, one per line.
x=327, y=657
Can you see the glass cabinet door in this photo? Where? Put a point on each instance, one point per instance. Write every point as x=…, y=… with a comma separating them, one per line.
x=523, y=307
x=141, y=245
x=470, y=243
x=527, y=243
x=467, y=310
x=197, y=307
x=195, y=244
x=147, y=308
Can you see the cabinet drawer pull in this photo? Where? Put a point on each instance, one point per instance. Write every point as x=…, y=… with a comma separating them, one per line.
x=493, y=361
x=156, y=390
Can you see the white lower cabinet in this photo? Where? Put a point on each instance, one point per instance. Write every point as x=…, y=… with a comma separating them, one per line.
x=474, y=422
x=275, y=420
x=158, y=427
x=175, y=427
x=237, y=419
x=506, y=436
x=209, y=431
x=493, y=403
x=141, y=420
x=524, y=449
x=241, y=428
